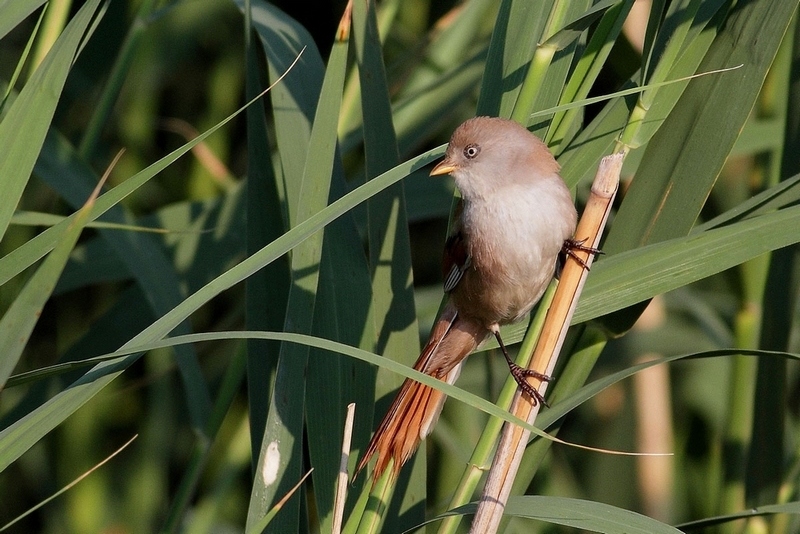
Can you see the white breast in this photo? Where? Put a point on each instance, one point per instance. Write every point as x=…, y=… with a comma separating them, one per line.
x=521, y=228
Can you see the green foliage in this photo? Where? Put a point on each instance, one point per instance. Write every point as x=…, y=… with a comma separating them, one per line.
x=231, y=291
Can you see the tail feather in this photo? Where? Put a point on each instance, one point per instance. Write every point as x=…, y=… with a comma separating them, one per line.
x=416, y=407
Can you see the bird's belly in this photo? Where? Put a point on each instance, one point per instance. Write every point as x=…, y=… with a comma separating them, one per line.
x=513, y=249
x=495, y=296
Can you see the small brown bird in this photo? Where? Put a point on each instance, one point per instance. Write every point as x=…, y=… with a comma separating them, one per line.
x=514, y=219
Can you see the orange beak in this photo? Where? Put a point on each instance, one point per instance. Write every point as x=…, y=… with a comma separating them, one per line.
x=443, y=167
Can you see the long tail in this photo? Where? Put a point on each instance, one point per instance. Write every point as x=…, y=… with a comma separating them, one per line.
x=416, y=407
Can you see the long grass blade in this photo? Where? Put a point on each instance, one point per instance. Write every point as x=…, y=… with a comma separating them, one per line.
x=25, y=126
x=283, y=434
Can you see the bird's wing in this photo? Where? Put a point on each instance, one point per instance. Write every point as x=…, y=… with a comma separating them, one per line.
x=456, y=259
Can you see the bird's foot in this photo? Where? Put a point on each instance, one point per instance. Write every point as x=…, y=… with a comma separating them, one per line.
x=521, y=374
x=572, y=245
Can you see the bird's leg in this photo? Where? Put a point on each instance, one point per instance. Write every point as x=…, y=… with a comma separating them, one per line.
x=520, y=373
x=571, y=245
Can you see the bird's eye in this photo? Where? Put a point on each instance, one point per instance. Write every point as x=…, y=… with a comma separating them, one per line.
x=470, y=151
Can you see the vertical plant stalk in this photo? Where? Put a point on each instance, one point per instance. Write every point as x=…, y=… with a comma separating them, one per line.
x=55, y=16
x=540, y=62
x=514, y=438
x=767, y=467
x=480, y=461
x=341, y=482
x=587, y=70
x=392, y=308
x=533, y=82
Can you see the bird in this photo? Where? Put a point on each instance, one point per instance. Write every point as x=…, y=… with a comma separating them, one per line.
x=511, y=225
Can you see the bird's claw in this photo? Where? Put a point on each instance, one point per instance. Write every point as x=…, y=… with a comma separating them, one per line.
x=520, y=375
x=572, y=245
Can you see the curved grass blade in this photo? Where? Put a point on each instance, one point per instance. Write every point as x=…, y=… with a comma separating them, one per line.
x=631, y=277
x=23, y=314
x=294, y=101
x=309, y=341
x=38, y=218
x=392, y=306
x=266, y=521
x=673, y=182
x=22, y=434
x=586, y=71
x=573, y=29
x=14, y=12
x=266, y=219
x=12, y=82
x=23, y=129
x=517, y=31
x=68, y=486
x=769, y=509
x=60, y=166
x=545, y=420
x=26, y=255
x=583, y=394
x=283, y=434
x=577, y=513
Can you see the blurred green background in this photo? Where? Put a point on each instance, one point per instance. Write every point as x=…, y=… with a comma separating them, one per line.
x=153, y=76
